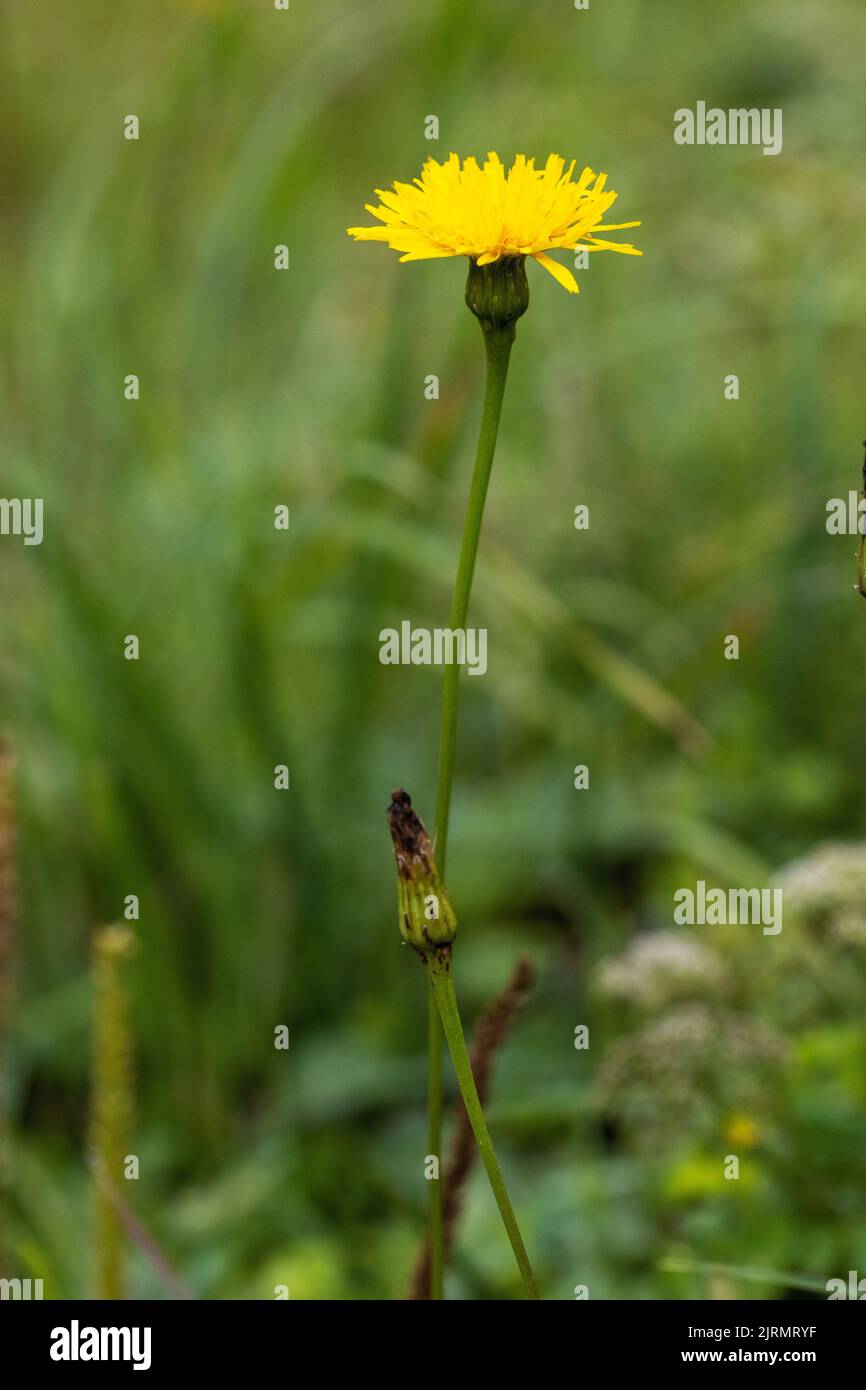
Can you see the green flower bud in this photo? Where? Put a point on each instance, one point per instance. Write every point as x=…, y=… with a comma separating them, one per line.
x=426, y=917
x=498, y=293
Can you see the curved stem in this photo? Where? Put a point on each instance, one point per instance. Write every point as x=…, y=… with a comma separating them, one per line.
x=442, y=984
x=497, y=343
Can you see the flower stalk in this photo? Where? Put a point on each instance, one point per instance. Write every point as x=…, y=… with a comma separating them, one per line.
x=442, y=984
x=497, y=217
x=111, y=1102
x=428, y=924
x=491, y=1031
x=498, y=295
x=497, y=299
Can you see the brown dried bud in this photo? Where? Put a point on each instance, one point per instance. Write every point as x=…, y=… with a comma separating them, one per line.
x=426, y=917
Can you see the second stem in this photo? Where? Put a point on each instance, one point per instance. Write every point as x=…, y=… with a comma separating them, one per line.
x=442, y=986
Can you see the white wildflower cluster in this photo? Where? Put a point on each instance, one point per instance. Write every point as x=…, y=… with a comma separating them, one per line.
x=686, y=1068
x=828, y=887
x=661, y=967
x=849, y=926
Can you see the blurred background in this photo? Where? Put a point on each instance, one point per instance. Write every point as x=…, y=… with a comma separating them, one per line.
x=259, y=647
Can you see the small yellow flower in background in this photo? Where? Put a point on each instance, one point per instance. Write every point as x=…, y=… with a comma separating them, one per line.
x=741, y=1132
x=482, y=212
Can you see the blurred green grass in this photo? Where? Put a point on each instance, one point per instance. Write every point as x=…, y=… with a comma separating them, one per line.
x=260, y=647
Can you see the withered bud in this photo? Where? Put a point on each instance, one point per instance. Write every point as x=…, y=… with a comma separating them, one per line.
x=426, y=917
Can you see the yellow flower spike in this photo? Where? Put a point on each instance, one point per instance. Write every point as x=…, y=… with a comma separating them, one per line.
x=111, y=1102
x=484, y=213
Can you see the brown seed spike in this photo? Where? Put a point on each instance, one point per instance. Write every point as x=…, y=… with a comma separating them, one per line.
x=411, y=842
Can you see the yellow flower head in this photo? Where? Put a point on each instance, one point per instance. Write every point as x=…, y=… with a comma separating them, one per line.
x=486, y=214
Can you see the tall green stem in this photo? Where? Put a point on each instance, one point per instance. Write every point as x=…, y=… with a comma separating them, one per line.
x=111, y=1102
x=439, y=974
x=497, y=342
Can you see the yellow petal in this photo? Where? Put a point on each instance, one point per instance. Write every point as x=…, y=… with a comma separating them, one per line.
x=432, y=253
x=594, y=244
x=487, y=258
x=559, y=272
x=369, y=233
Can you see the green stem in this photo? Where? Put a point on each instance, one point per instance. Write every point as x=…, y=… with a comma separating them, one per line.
x=439, y=974
x=497, y=342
